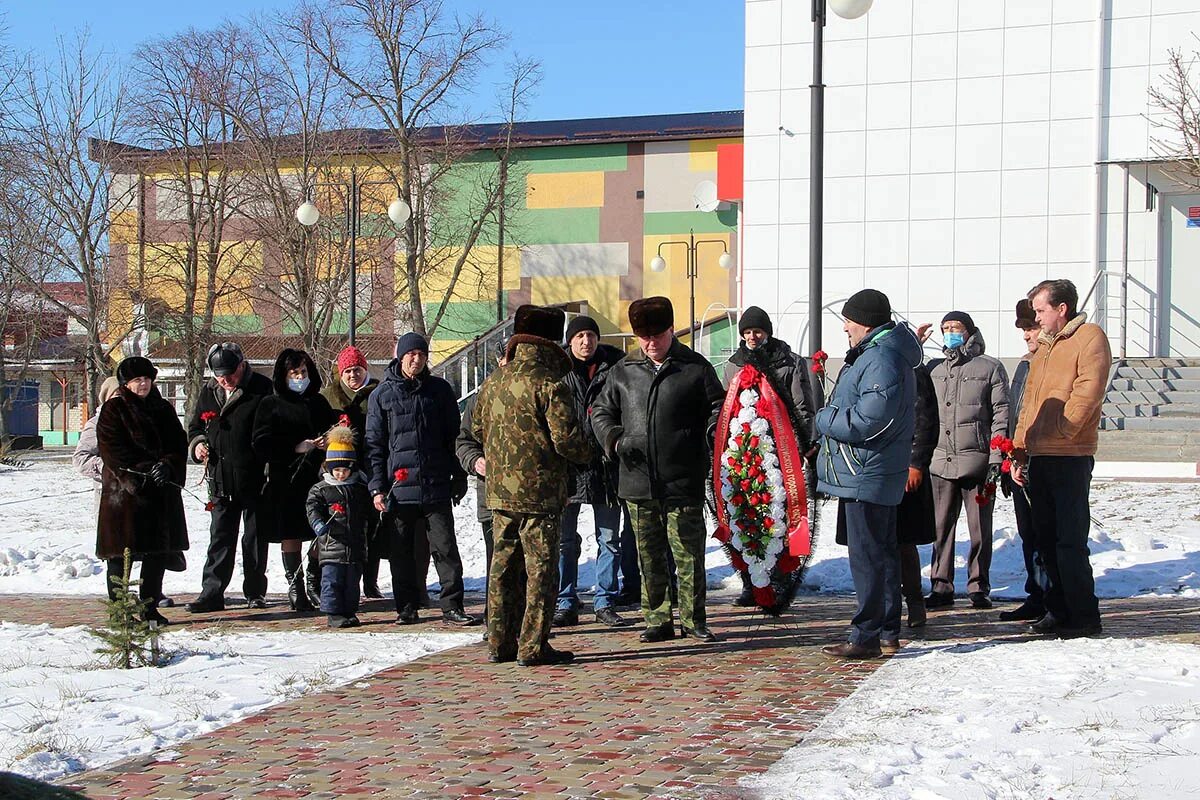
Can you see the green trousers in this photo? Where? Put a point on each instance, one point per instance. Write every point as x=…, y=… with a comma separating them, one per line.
x=658, y=526
x=525, y=548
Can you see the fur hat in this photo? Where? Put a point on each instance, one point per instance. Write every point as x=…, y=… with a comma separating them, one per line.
x=411, y=341
x=651, y=316
x=580, y=324
x=340, y=450
x=755, y=317
x=135, y=367
x=869, y=307
x=963, y=317
x=350, y=356
x=1026, y=317
x=542, y=321
x=224, y=358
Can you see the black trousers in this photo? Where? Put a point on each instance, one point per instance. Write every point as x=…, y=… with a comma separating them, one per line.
x=438, y=523
x=1059, y=489
x=222, y=551
x=151, y=577
x=1035, y=573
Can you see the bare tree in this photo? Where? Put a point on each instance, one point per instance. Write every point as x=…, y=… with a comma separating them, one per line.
x=1177, y=101
x=56, y=108
x=407, y=64
x=196, y=260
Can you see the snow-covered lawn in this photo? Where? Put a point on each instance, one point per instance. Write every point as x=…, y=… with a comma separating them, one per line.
x=1041, y=719
x=62, y=712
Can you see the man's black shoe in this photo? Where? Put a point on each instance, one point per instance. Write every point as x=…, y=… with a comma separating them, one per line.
x=979, y=600
x=256, y=602
x=548, y=657
x=203, y=606
x=165, y=602
x=939, y=600
x=606, y=616
x=353, y=621
x=372, y=592
x=565, y=617
x=496, y=658
x=628, y=599
x=699, y=632
x=1025, y=611
x=745, y=599
x=658, y=633
x=408, y=615
x=337, y=621
x=1044, y=626
x=457, y=616
x=1080, y=632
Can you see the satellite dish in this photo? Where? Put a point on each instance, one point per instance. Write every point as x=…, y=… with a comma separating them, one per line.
x=705, y=196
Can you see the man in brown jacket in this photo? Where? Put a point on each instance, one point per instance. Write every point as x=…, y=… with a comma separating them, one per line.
x=1055, y=446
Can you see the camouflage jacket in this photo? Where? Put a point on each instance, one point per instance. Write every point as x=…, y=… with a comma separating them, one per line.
x=526, y=419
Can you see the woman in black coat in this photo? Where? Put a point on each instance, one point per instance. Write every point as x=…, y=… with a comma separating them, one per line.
x=915, y=518
x=289, y=435
x=144, y=450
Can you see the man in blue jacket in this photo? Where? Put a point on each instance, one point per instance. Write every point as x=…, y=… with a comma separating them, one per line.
x=866, y=435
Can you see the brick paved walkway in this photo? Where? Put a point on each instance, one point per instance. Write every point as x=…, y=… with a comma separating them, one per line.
x=627, y=720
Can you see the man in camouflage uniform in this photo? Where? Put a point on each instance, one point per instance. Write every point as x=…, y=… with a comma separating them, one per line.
x=525, y=418
x=656, y=415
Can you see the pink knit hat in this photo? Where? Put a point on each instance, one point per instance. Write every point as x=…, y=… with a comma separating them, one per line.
x=350, y=356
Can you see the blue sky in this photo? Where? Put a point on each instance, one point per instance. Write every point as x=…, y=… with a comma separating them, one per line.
x=613, y=58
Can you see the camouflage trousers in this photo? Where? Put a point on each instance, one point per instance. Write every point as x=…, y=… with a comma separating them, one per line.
x=659, y=527
x=524, y=548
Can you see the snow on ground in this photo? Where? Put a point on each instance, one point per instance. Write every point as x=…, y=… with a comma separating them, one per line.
x=1145, y=540
x=62, y=712
x=1041, y=719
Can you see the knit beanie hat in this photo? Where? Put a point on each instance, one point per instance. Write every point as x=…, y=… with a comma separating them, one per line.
x=542, y=321
x=411, y=341
x=650, y=316
x=340, y=450
x=1026, y=316
x=350, y=356
x=755, y=317
x=135, y=367
x=963, y=317
x=869, y=307
x=579, y=324
x=224, y=358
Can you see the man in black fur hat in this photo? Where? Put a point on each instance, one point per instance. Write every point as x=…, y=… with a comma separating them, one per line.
x=656, y=415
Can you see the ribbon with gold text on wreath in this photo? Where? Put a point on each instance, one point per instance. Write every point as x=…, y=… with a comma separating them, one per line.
x=762, y=505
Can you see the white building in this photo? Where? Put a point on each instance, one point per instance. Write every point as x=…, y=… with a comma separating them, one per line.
x=973, y=148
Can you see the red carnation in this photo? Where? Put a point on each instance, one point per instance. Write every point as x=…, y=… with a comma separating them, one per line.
x=820, y=355
x=401, y=475
x=337, y=508
x=745, y=427
x=208, y=416
x=731, y=461
x=817, y=368
x=995, y=442
x=754, y=440
x=344, y=420
x=745, y=486
x=768, y=523
x=981, y=500
x=210, y=505
x=737, y=500
x=747, y=377
x=1006, y=466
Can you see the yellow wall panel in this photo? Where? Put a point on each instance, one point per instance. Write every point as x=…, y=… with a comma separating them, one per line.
x=712, y=282
x=564, y=190
x=703, y=153
x=165, y=270
x=477, y=280
x=601, y=291
x=123, y=228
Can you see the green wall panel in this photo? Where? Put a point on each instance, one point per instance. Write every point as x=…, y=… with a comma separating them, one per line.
x=554, y=226
x=237, y=323
x=462, y=320
x=575, y=158
x=672, y=222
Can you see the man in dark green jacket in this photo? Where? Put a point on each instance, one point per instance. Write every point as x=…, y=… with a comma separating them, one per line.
x=656, y=415
x=525, y=418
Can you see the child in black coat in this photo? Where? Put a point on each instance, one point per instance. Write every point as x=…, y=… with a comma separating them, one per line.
x=338, y=510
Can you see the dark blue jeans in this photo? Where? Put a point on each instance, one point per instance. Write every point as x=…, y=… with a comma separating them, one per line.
x=1059, y=488
x=875, y=568
x=608, y=556
x=1035, y=574
x=339, y=589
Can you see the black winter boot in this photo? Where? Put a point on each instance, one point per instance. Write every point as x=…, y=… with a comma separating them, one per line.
x=312, y=582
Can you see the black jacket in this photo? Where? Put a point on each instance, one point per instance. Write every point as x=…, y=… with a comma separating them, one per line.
x=791, y=377
x=915, y=515
x=341, y=534
x=283, y=421
x=234, y=468
x=588, y=483
x=660, y=424
x=925, y=433
x=468, y=449
x=411, y=425
x=1016, y=392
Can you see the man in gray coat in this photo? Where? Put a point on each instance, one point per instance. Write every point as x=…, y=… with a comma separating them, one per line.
x=972, y=401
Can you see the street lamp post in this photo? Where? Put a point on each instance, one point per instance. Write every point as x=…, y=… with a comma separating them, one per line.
x=847, y=9
x=398, y=212
x=658, y=264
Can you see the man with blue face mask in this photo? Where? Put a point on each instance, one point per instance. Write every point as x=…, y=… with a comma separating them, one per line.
x=972, y=402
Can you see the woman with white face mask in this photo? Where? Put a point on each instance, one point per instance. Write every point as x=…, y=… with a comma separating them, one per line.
x=289, y=436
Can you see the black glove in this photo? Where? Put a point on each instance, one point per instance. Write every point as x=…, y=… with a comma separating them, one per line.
x=1006, y=484
x=160, y=473
x=630, y=450
x=458, y=488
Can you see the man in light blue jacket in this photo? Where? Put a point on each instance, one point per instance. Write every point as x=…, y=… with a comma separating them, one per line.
x=866, y=434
